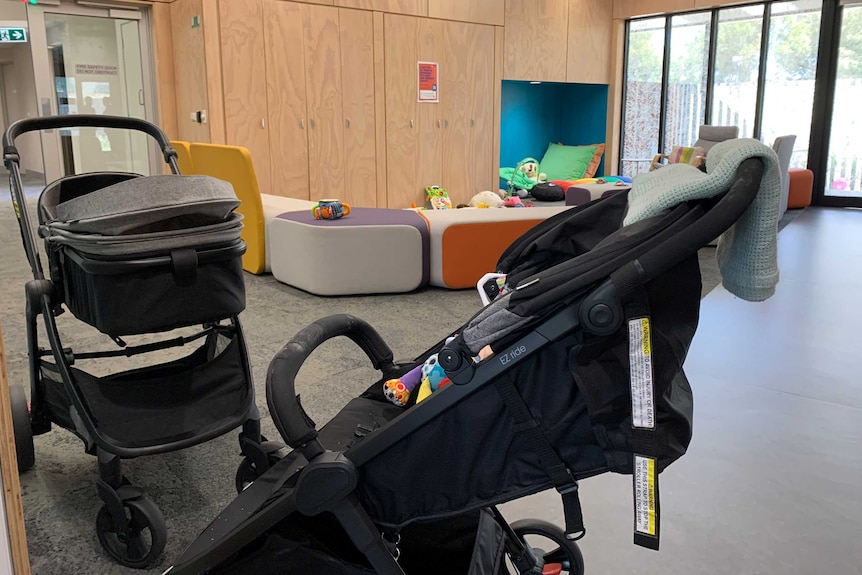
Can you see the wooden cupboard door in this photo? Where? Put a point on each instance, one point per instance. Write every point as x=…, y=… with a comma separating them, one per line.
x=430, y=119
x=401, y=52
x=479, y=11
x=323, y=91
x=590, y=32
x=244, y=82
x=536, y=40
x=414, y=7
x=360, y=146
x=467, y=108
x=285, y=75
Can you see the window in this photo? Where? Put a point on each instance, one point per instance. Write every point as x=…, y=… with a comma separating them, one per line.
x=644, y=59
x=685, y=107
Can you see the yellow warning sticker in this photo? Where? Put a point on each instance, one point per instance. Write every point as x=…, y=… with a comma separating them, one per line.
x=641, y=373
x=645, y=500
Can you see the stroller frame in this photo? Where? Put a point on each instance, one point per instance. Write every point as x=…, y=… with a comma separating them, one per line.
x=127, y=511
x=313, y=480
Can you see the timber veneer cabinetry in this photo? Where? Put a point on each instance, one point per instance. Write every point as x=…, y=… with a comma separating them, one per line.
x=298, y=84
x=449, y=143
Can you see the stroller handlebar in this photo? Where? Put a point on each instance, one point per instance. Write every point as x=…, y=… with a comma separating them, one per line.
x=291, y=420
x=86, y=121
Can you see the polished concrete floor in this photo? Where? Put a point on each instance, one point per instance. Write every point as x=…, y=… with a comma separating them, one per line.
x=772, y=479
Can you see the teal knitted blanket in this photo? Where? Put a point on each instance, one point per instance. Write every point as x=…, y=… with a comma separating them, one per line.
x=748, y=252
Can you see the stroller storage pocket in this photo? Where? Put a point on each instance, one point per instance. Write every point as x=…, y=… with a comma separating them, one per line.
x=189, y=397
x=149, y=293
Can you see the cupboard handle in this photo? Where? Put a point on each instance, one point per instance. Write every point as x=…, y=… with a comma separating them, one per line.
x=302, y=123
x=438, y=123
x=347, y=122
x=446, y=123
x=411, y=123
x=263, y=122
x=311, y=123
x=472, y=122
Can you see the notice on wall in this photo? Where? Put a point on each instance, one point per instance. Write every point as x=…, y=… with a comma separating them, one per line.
x=429, y=82
x=96, y=70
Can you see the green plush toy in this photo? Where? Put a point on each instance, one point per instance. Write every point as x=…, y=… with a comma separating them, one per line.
x=523, y=176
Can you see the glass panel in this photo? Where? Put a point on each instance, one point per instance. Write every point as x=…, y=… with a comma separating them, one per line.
x=643, y=94
x=737, y=62
x=686, y=96
x=791, y=65
x=96, y=67
x=844, y=168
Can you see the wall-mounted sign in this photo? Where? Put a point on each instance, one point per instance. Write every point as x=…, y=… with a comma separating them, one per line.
x=96, y=69
x=13, y=35
x=429, y=82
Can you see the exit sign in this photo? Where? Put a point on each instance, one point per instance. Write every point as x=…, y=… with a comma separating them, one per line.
x=13, y=35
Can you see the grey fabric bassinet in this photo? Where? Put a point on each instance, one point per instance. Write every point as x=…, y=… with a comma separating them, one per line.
x=144, y=254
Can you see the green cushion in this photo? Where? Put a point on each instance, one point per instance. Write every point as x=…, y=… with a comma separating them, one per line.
x=566, y=162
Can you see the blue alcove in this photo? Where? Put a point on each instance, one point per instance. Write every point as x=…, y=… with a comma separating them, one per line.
x=533, y=115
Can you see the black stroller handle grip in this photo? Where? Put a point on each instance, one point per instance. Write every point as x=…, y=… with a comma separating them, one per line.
x=291, y=420
x=87, y=121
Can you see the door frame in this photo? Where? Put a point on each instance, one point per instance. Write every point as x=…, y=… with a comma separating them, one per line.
x=43, y=73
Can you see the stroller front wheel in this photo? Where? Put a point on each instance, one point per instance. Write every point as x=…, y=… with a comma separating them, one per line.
x=24, y=449
x=567, y=555
x=141, y=540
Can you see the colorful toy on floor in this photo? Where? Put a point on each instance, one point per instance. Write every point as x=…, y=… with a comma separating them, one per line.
x=513, y=202
x=330, y=209
x=438, y=198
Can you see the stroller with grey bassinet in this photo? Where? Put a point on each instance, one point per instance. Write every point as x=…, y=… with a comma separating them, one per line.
x=132, y=255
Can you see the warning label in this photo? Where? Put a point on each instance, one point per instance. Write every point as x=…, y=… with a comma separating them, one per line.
x=641, y=374
x=645, y=504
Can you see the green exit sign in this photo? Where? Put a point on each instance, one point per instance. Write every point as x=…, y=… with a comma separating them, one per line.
x=13, y=34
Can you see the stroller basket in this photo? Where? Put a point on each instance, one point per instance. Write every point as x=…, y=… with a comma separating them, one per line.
x=160, y=404
x=132, y=256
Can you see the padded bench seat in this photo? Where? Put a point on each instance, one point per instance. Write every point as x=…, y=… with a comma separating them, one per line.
x=371, y=250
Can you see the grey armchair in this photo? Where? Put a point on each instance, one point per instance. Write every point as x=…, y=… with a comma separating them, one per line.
x=783, y=147
x=708, y=136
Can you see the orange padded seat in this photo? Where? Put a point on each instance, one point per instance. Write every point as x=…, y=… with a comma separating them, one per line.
x=801, y=186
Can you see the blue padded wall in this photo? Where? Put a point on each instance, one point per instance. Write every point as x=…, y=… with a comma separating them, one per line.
x=533, y=115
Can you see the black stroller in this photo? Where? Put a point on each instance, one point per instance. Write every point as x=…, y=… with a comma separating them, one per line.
x=585, y=376
x=134, y=255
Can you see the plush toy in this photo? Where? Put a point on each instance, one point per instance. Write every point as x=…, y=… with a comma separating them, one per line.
x=438, y=198
x=398, y=390
x=433, y=378
x=513, y=202
x=486, y=199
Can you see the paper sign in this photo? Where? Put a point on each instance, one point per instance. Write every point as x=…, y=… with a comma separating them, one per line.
x=429, y=82
x=96, y=69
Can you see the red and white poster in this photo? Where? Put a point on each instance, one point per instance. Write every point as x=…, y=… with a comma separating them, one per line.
x=429, y=82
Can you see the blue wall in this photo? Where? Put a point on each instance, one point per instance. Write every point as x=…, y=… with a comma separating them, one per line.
x=533, y=115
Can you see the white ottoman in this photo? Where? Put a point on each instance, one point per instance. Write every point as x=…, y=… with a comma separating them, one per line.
x=272, y=207
x=372, y=250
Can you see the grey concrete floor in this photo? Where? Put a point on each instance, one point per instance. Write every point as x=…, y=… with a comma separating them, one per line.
x=771, y=480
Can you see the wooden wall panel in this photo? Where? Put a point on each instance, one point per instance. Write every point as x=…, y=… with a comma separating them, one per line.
x=624, y=9
x=323, y=89
x=479, y=11
x=589, y=50
x=536, y=32
x=412, y=7
x=213, y=62
x=467, y=108
x=380, y=108
x=189, y=75
x=163, y=56
x=401, y=51
x=286, y=103
x=499, y=58
x=11, y=483
x=244, y=82
x=360, y=147
x=430, y=120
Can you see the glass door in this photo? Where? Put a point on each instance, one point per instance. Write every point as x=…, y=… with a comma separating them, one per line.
x=844, y=161
x=93, y=61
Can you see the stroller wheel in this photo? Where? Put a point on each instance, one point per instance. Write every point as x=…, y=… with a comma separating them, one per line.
x=246, y=473
x=146, y=537
x=567, y=553
x=21, y=426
